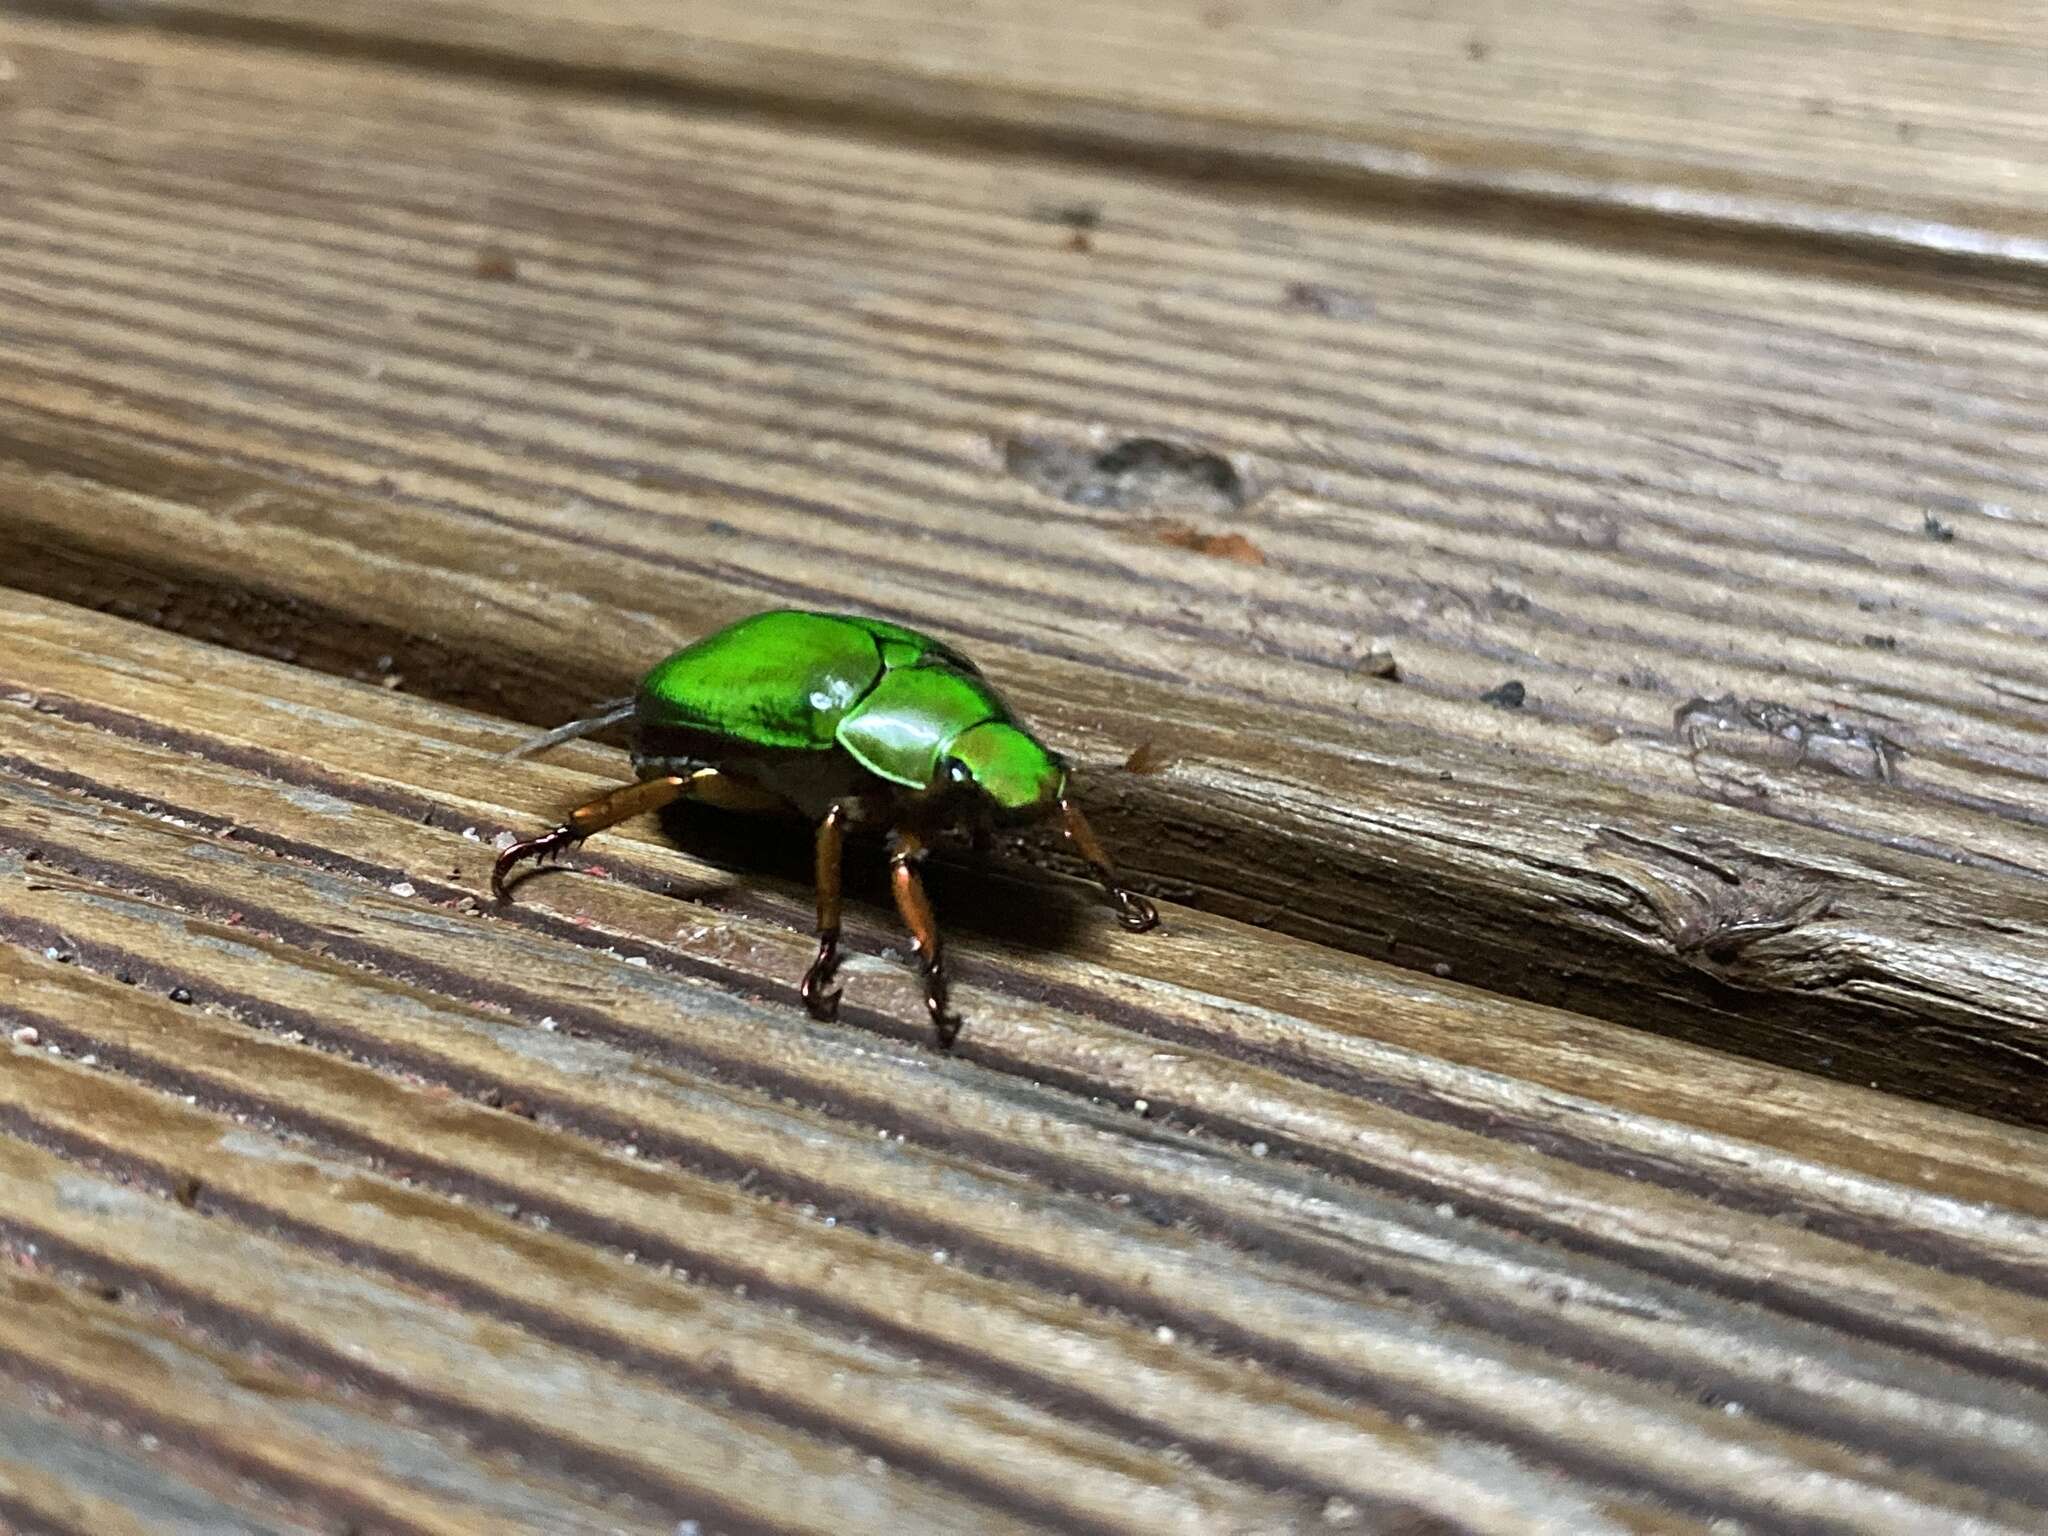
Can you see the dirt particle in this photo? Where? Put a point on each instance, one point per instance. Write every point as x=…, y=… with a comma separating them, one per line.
x=1478, y=50
x=1139, y=474
x=1218, y=546
x=495, y=264
x=28, y=1034
x=1509, y=695
x=1322, y=299
x=187, y=1191
x=1936, y=529
x=1149, y=757
x=1076, y=216
x=1882, y=642
x=181, y=994
x=1379, y=662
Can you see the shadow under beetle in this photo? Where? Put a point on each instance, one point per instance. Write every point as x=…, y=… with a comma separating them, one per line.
x=839, y=719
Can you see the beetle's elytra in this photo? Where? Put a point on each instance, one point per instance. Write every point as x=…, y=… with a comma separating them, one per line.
x=839, y=719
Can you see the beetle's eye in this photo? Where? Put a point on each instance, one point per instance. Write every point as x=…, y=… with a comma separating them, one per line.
x=958, y=772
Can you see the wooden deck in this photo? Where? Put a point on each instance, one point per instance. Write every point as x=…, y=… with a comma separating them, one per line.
x=1535, y=533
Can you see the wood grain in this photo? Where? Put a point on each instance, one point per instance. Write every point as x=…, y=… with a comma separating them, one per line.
x=1914, y=129
x=290, y=1093
x=265, y=386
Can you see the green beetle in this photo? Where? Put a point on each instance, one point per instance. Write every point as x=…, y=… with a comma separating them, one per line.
x=839, y=719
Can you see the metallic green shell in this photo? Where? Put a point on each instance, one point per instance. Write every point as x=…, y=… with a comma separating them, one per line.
x=778, y=679
x=905, y=724
x=1010, y=766
x=894, y=699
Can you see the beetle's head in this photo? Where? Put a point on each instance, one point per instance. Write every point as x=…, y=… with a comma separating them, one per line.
x=1015, y=777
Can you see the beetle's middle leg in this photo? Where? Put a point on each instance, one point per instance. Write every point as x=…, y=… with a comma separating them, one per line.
x=916, y=909
x=820, y=996
x=606, y=810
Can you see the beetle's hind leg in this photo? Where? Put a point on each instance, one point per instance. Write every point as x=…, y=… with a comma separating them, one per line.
x=1132, y=910
x=916, y=909
x=820, y=996
x=605, y=811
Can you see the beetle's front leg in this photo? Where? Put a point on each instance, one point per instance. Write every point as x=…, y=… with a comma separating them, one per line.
x=820, y=996
x=916, y=909
x=1132, y=910
x=607, y=810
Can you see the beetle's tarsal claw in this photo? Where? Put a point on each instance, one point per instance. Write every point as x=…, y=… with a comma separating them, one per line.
x=821, y=998
x=536, y=848
x=945, y=1023
x=1134, y=911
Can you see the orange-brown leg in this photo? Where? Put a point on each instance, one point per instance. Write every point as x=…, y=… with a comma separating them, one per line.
x=1132, y=910
x=607, y=810
x=820, y=996
x=916, y=909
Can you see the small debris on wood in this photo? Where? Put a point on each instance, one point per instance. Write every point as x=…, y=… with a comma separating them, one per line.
x=1149, y=757
x=402, y=888
x=181, y=995
x=1218, y=546
x=1882, y=642
x=1507, y=600
x=28, y=1034
x=1074, y=215
x=1080, y=219
x=1509, y=695
x=1936, y=529
x=187, y=1191
x=1322, y=299
x=495, y=264
x=1379, y=663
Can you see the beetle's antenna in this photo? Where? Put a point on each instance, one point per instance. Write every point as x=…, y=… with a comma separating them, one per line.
x=611, y=712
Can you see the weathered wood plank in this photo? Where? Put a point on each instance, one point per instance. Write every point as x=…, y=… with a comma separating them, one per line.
x=730, y=348
x=186, y=1437
x=1316, y=1294
x=1914, y=128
